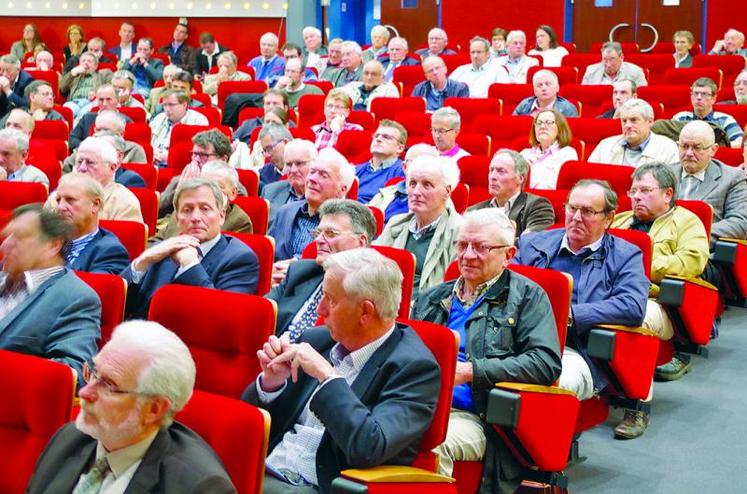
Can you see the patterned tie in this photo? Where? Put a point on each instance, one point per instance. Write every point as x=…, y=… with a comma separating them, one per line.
x=308, y=318
x=689, y=185
x=91, y=481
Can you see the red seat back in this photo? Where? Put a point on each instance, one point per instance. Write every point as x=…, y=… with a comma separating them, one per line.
x=702, y=210
x=640, y=240
x=688, y=76
x=387, y=108
x=229, y=87
x=138, y=132
x=258, y=210
x=470, y=108
x=310, y=106
x=325, y=86
x=51, y=129
x=264, y=247
x=136, y=113
x=14, y=194
x=213, y=115
x=628, y=47
x=406, y=262
x=473, y=171
x=148, y=199
x=52, y=169
x=149, y=173
x=185, y=133
x=47, y=149
x=417, y=123
x=656, y=64
x=618, y=176
x=408, y=77
x=731, y=65
x=566, y=75
x=132, y=234
x=112, y=291
x=671, y=95
x=250, y=180
x=355, y=145
x=593, y=130
x=730, y=156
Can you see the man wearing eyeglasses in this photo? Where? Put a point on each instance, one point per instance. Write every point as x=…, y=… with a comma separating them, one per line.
x=273, y=138
x=506, y=333
x=740, y=90
x=125, y=438
x=445, y=126
x=387, y=144
x=703, y=95
x=609, y=284
x=344, y=225
x=437, y=87
x=637, y=145
x=175, y=111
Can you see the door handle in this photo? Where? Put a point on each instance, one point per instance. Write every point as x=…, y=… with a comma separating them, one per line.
x=615, y=28
x=656, y=37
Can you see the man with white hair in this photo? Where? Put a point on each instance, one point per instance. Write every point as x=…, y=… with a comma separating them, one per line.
x=613, y=68
x=298, y=156
x=481, y=72
x=371, y=86
x=359, y=393
x=44, y=61
x=732, y=44
x=429, y=229
x=437, y=87
x=494, y=347
x=13, y=82
x=379, y=40
x=516, y=61
x=268, y=66
x=351, y=65
x=740, y=90
x=14, y=149
x=331, y=64
x=437, y=41
x=445, y=126
x=396, y=56
x=98, y=159
x=312, y=46
x=546, y=88
x=125, y=436
x=637, y=145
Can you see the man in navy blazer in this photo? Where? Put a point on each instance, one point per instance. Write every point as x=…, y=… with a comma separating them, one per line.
x=93, y=249
x=297, y=155
x=438, y=87
x=45, y=310
x=396, y=56
x=126, y=42
x=13, y=82
x=356, y=394
x=199, y=256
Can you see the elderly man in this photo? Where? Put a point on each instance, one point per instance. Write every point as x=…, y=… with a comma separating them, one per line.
x=379, y=40
x=146, y=70
x=507, y=177
x=437, y=41
x=481, y=73
x=703, y=94
x=45, y=310
x=297, y=156
x=175, y=111
x=21, y=121
x=227, y=63
x=269, y=65
x=516, y=61
x=396, y=56
x=609, y=284
x=740, y=90
x=622, y=91
x=14, y=149
x=703, y=178
x=546, y=88
x=13, y=82
x=41, y=101
x=333, y=60
x=732, y=44
x=490, y=350
x=337, y=106
x=436, y=88
x=200, y=255
x=98, y=159
x=92, y=249
x=128, y=178
x=373, y=86
x=313, y=49
x=179, y=52
x=429, y=229
x=207, y=56
x=227, y=179
x=637, y=145
x=94, y=46
x=124, y=81
x=106, y=100
x=344, y=225
x=273, y=138
x=124, y=436
x=81, y=83
x=329, y=177
x=375, y=384
x=127, y=45
x=612, y=68
x=387, y=145
x=445, y=126
x=292, y=83
x=44, y=61
x=351, y=65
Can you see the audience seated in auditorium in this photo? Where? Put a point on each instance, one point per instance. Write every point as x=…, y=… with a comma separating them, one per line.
x=127, y=46
x=703, y=94
x=13, y=82
x=491, y=350
x=155, y=94
x=28, y=43
x=498, y=42
x=207, y=55
x=146, y=70
x=546, y=88
x=179, y=52
x=516, y=61
x=437, y=41
x=313, y=49
x=547, y=47
x=437, y=87
x=396, y=56
x=609, y=284
x=331, y=63
x=429, y=229
x=106, y=100
x=637, y=145
x=200, y=255
x=298, y=155
x=344, y=225
x=612, y=68
x=145, y=373
x=445, y=127
x=181, y=81
x=622, y=91
x=227, y=64
x=740, y=90
x=272, y=139
x=292, y=51
x=379, y=41
x=351, y=64
x=46, y=311
x=371, y=86
x=732, y=44
x=98, y=159
x=507, y=176
x=348, y=422
x=175, y=111
x=92, y=249
x=272, y=98
x=81, y=83
x=387, y=144
x=268, y=66
x=550, y=139
x=683, y=42
x=481, y=72
x=292, y=83
x=337, y=107
x=95, y=46
x=14, y=149
x=392, y=199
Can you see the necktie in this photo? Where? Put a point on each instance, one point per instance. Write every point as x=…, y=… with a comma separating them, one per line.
x=689, y=185
x=308, y=318
x=389, y=73
x=263, y=72
x=91, y=481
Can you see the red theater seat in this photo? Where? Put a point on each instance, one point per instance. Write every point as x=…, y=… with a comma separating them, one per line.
x=112, y=291
x=387, y=108
x=148, y=200
x=355, y=145
x=688, y=76
x=14, y=194
x=51, y=129
x=627, y=47
x=566, y=75
x=470, y=108
x=264, y=247
x=258, y=210
x=618, y=176
x=473, y=171
x=132, y=234
x=149, y=173
x=408, y=77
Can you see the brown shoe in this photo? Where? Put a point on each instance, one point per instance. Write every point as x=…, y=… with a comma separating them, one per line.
x=633, y=425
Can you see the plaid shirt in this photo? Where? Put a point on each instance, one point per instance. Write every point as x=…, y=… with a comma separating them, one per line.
x=326, y=137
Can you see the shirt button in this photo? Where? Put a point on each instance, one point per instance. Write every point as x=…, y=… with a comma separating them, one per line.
x=511, y=320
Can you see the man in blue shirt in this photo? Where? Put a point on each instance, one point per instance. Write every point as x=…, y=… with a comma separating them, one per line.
x=386, y=145
x=268, y=66
x=437, y=87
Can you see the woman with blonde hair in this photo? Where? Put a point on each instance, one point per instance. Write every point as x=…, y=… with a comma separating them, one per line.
x=75, y=42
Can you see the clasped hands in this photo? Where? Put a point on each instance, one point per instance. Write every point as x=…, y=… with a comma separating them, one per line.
x=182, y=249
x=280, y=359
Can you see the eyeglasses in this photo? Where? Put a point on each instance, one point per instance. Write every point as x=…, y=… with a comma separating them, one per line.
x=545, y=123
x=332, y=106
x=642, y=190
x=328, y=233
x=384, y=137
x=441, y=131
x=268, y=149
x=696, y=148
x=702, y=94
x=202, y=156
x=478, y=248
x=90, y=376
x=740, y=83
x=586, y=213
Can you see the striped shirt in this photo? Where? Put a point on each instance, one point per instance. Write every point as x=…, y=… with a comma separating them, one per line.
x=78, y=245
x=12, y=295
x=723, y=120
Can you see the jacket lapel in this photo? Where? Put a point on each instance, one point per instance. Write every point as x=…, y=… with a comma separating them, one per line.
x=215, y=254
x=18, y=310
x=710, y=181
x=71, y=470
x=362, y=383
x=147, y=475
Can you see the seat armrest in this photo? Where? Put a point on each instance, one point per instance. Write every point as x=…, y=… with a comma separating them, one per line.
x=395, y=473
x=696, y=281
x=534, y=388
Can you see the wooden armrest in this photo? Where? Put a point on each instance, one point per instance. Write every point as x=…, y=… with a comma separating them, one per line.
x=395, y=473
x=628, y=329
x=534, y=388
x=696, y=281
x=733, y=240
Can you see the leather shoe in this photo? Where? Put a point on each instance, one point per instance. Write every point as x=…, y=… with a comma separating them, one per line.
x=633, y=425
x=673, y=370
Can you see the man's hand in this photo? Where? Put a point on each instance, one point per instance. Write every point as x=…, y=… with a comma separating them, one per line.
x=192, y=170
x=186, y=256
x=303, y=356
x=43, y=65
x=280, y=270
x=718, y=45
x=274, y=375
x=163, y=250
x=3, y=173
x=78, y=70
x=463, y=373
x=4, y=84
x=337, y=123
x=283, y=82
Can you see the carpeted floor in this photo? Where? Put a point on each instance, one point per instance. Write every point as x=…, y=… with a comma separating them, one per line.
x=696, y=441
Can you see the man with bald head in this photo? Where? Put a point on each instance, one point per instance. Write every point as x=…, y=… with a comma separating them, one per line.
x=268, y=66
x=437, y=41
x=372, y=86
x=20, y=120
x=396, y=56
x=292, y=82
x=546, y=88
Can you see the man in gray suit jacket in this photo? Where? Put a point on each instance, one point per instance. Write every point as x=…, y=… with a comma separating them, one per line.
x=124, y=436
x=703, y=178
x=298, y=155
x=506, y=178
x=45, y=310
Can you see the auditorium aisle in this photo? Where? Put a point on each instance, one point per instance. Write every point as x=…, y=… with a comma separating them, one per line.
x=697, y=439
